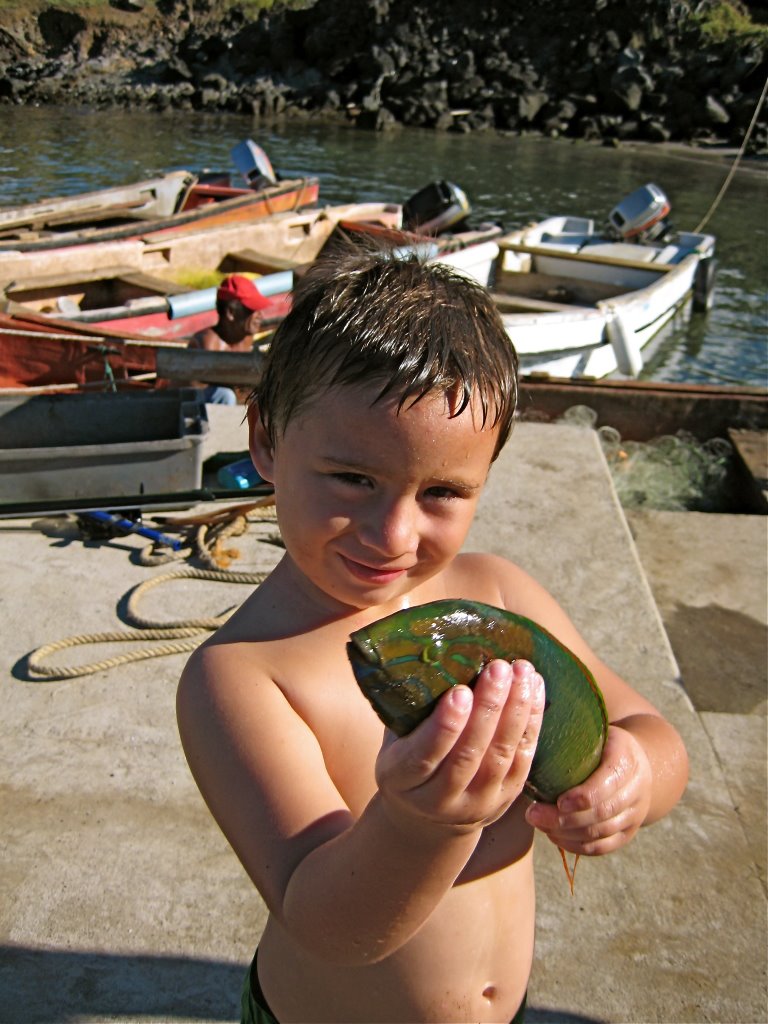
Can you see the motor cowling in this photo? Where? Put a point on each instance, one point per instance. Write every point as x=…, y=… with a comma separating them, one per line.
x=640, y=216
x=435, y=208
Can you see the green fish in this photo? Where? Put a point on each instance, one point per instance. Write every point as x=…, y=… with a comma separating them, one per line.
x=403, y=663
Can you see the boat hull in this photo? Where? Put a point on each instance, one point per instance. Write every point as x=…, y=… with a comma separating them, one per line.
x=644, y=410
x=153, y=199
x=247, y=206
x=598, y=307
x=50, y=355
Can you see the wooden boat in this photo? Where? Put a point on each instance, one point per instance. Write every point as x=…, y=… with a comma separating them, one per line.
x=578, y=302
x=645, y=409
x=44, y=355
x=180, y=255
x=152, y=199
x=122, y=299
x=155, y=199
x=157, y=298
x=668, y=445
x=244, y=206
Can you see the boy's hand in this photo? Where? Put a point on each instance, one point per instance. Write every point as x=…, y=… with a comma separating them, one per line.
x=467, y=763
x=604, y=812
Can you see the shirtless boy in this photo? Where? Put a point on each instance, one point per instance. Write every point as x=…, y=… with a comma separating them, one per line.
x=397, y=872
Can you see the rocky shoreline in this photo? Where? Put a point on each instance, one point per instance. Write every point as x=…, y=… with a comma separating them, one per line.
x=603, y=70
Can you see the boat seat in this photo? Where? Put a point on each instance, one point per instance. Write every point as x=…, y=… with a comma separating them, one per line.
x=566, y=242
x=672, y=254
x=249, y=260
x=510, y=303
x=622, y=251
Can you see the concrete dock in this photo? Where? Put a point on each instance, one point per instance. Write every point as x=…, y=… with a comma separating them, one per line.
x=121, y=900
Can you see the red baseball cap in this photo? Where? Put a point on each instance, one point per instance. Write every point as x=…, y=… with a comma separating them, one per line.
x=242, y=289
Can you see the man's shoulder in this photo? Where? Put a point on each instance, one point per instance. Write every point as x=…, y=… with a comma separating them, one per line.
x=207, y=339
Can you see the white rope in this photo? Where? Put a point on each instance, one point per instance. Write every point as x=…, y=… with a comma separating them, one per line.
x=736, y=161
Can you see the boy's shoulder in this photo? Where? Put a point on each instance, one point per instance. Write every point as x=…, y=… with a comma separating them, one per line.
x=481, y=576
x=269, y=640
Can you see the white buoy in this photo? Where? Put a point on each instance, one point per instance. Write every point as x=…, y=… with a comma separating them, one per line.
x=704, y=284
x=629, y=359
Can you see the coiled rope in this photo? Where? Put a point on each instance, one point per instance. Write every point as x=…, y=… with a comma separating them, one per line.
x=186, y=635
x=209, y=533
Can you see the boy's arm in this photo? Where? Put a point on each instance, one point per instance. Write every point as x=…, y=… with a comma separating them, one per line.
x=354, y=891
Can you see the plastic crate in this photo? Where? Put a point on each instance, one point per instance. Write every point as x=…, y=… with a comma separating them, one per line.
x=82, y=446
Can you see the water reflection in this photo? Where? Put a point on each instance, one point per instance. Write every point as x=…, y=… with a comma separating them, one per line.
x=513, y=180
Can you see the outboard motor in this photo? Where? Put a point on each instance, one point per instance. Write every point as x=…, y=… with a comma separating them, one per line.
x=253, y=163
x=435, y=208
x=639, y=217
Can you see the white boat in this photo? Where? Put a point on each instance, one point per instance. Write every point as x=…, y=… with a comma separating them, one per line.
x=578, y=302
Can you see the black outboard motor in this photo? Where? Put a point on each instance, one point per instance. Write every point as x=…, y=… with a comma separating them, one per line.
x=435, y=208
x=639, y=217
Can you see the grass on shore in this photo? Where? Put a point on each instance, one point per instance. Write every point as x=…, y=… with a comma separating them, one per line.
x=728, y=18
x=252, y=7
x=717, y=21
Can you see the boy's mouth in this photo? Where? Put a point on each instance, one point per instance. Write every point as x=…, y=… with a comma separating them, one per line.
x=371, y=573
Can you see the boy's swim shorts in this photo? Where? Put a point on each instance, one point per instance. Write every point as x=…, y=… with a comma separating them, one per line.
x=255, y=1008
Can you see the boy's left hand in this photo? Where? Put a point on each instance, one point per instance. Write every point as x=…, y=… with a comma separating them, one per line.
x=604, y=812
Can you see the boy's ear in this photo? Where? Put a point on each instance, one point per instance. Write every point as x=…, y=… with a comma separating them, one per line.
x=262, y=452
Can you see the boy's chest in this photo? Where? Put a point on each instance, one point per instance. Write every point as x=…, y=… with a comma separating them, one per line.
x=327, y=698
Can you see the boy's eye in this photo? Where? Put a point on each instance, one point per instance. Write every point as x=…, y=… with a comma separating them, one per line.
x=354, y=479
x=442, y=493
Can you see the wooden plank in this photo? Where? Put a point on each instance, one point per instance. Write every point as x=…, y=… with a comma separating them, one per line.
x=152, y=283
x=585, y=257
x=90, y=214
x=75, y=277
x=752, y=452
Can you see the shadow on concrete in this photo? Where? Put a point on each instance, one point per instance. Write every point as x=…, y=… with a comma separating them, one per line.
x=542, y=1016
x=710, y=641
x=40, y=986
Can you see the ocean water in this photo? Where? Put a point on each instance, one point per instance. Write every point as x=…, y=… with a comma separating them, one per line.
x=46, y=152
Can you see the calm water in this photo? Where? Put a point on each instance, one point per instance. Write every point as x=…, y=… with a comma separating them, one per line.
x=45, y=152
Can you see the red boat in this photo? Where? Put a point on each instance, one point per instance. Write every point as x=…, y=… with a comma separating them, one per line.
x=50, y=355
x=93, y=231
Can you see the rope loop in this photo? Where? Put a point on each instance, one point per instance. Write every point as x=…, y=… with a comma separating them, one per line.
x=178, y=636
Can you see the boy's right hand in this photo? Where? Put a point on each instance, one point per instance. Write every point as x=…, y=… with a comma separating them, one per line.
x=467, y=763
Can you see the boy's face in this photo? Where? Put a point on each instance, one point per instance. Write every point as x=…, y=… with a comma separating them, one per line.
x=372, y=502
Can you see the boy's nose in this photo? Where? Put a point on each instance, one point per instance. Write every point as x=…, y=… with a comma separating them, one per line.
x=391, y=529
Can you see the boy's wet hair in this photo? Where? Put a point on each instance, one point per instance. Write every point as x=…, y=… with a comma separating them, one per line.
x=369, y=314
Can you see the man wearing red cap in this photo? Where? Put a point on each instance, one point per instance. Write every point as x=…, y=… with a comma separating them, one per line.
x=240, y=306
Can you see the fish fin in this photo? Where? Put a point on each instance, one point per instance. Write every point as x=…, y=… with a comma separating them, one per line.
x=570, y=873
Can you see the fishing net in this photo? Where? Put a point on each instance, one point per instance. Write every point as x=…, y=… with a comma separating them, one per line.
x=673, y=473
